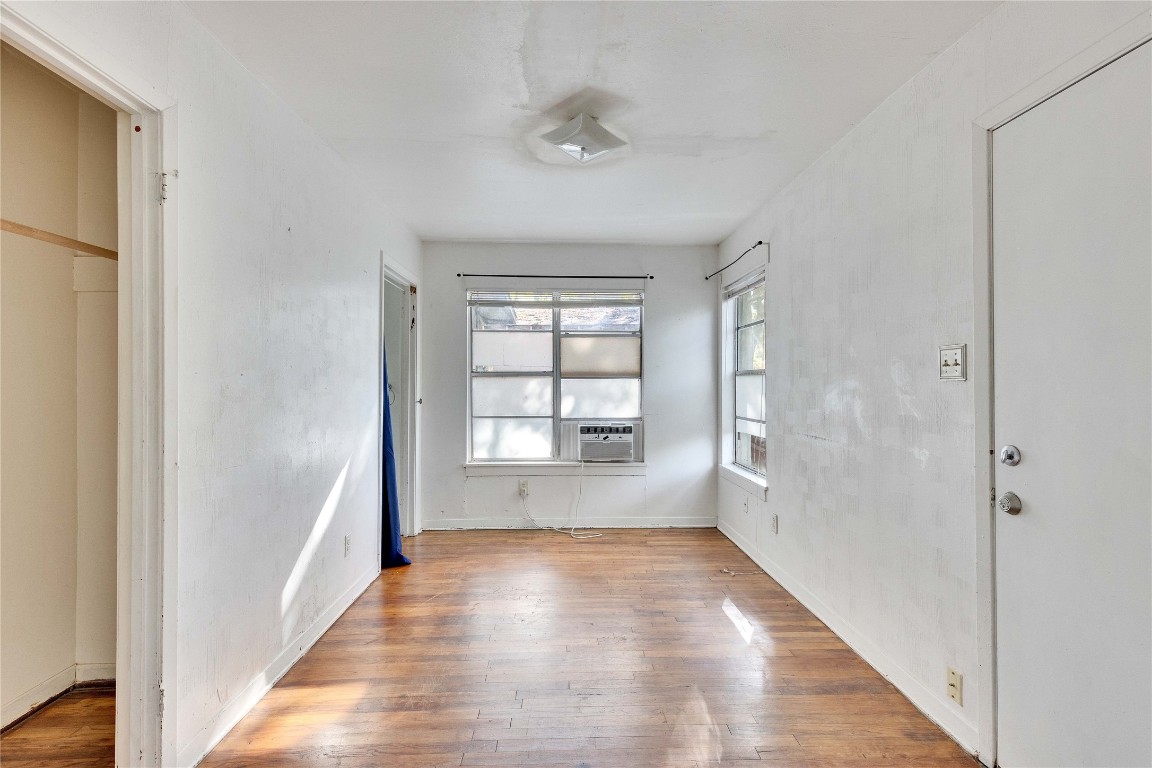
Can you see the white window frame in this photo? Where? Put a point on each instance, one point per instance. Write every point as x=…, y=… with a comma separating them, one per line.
x=751, y=479
x=587, y=298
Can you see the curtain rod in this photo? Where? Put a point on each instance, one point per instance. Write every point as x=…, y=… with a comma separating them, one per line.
x=566, y=277
x=755, y=245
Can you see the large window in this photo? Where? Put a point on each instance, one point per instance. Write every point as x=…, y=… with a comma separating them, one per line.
x=542, y=362
x=747, y=426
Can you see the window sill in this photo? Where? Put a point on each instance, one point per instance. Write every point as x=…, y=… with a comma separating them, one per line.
x=553, y=468
x=746, y=481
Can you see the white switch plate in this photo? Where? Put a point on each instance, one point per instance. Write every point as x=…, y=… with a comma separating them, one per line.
x=954, y=362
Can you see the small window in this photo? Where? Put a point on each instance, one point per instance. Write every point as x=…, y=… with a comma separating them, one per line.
x=542, y=361
x=746, y=417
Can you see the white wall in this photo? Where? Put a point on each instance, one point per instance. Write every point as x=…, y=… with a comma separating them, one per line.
x=94, y=283
x=870, y=455
x=58, y=428
x=278, y=383
x=677, y=487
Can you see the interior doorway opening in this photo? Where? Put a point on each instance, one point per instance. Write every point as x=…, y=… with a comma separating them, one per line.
x=398, y=338
x=59, y=275
x=146, y=331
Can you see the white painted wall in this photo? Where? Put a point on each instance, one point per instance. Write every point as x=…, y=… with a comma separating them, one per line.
x=38, y=389
x=58, y=401
x=677, y=487
x=94, y=283
x=278, y=383
x=870, y=455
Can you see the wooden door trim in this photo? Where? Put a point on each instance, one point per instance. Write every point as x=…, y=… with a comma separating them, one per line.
x=1123, y=40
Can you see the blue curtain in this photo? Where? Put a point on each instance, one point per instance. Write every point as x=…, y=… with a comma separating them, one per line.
x=390, y=556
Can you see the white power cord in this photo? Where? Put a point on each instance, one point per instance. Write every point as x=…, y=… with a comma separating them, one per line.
x=571, y=531
x=576, y=517
x=731, y=572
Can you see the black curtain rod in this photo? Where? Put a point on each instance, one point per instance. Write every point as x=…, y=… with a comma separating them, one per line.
x=754, y=247
x=566, y=277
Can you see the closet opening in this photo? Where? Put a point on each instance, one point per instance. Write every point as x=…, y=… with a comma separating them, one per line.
x=59, y=282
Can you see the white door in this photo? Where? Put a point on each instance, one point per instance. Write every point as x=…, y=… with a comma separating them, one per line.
x=397, y=349
x=1072, y=318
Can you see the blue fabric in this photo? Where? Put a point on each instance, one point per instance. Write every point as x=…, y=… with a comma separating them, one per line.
x=390, y=556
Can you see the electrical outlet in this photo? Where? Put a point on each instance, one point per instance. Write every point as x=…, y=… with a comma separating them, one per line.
x=775, y=523
x=347, y=545
x=954, y=362
x=956, y=686
x=523, y=487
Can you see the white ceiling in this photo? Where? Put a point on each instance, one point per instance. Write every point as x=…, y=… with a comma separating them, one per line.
x=438, y=103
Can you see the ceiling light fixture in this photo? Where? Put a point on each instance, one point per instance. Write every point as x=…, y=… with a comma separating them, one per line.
x=583, y=138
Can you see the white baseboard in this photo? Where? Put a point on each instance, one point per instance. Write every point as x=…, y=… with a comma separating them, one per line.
x=234, y=711
x=37, y=694
x=497, y=523
x=931, y=706
x=91, y=671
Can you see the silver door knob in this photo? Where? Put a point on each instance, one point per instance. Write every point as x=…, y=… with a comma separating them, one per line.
x=1009, y=503
x=1010, y=455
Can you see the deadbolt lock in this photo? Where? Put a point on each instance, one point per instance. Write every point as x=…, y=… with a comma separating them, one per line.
x=1010, y=455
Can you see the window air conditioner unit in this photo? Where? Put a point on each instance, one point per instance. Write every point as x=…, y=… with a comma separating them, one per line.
x=606, y=442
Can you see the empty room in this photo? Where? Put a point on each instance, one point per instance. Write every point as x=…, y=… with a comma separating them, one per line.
x=591, y=384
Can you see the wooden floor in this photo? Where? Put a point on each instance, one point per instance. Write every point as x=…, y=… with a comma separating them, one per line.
x=634, y=650
x=527, y=648
x=77, y=730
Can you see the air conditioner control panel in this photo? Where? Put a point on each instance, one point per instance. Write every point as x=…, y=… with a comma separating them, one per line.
x=589, y=431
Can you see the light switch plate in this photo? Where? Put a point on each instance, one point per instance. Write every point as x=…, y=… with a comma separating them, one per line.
x=954, y=362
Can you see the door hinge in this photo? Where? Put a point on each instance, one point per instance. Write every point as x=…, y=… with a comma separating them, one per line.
x=164, y=183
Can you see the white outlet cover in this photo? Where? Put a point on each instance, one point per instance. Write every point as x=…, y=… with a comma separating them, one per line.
x=954, y=362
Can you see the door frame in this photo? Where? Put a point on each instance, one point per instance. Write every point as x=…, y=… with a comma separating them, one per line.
x=1123, y=40
x=410, y=519
x=146, y=391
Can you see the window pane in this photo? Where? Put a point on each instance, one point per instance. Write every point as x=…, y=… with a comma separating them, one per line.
x=750, y=348
x=750, y=397
x=600, y=398
x=510, y=296
x=615, y=319
x=750, y=306
x=591, y=297
x=600, y=355
x=512, y=396
x=751, y=447
x=511, y=318
x=511, y=438
x=502, y=351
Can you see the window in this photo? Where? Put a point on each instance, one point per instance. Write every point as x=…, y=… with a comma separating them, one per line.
x=745, y=307
x=542, y=362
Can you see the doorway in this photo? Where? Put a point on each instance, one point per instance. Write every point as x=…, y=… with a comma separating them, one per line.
x=146, y=330
x=398, y=328
x=1072, y=428
x=58, y=404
